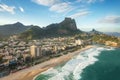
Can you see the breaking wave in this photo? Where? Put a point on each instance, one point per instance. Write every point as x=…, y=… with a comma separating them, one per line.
x=74, y=67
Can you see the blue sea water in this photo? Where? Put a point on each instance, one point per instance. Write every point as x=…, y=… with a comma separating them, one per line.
x=98, y=63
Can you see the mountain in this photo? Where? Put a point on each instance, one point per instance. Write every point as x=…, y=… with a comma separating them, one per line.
x=10, y=29
x=113, y=34
x=95, y=32
x=34, y=32
x=65, y=28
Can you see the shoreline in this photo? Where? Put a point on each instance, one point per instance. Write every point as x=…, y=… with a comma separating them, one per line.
x=32, y=72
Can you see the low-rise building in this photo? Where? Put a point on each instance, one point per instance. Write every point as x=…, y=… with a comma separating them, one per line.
x=78, y=42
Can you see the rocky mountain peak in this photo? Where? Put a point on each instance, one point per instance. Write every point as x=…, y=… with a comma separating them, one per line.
x=93, y=31
x=18, y=24
x=69, y=23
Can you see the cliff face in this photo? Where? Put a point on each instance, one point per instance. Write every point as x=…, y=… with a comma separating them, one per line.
x=69, y=23
x=66, y=27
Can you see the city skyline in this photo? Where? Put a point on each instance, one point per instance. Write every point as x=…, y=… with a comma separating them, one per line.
x=103, y=15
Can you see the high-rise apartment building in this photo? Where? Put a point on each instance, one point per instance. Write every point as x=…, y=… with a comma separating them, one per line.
x=35, y=51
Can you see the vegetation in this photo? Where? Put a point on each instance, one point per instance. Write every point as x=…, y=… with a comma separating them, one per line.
x=65, y=28
x=102, y=38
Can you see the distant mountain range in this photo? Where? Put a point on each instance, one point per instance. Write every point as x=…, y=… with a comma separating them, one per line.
x=113, y=34
x=65, y=28
x=93, y=31
x=10, y=29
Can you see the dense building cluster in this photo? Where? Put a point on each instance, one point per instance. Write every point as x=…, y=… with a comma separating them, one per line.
x=17, y=54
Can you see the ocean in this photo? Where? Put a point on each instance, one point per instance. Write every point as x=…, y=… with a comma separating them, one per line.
x=98, y=63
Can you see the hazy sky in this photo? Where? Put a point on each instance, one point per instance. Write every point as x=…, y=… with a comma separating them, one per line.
x=103, y=15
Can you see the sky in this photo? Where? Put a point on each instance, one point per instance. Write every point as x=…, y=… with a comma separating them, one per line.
x=102, y=15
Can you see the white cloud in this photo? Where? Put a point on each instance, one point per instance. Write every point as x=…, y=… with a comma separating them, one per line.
x=61, y=7
x=21, y=9
x=88, y=1
x=91, y=1
x=58, y=6
x=110, y=19
x=6, y=8
x=46, y=2
x=80, y=14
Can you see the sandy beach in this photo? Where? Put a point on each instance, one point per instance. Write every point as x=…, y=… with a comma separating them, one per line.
x=31, y=72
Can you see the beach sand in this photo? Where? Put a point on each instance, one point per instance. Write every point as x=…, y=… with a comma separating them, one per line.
x=31, y=72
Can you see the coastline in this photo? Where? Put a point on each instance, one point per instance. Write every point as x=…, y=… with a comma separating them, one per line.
x=32, y=72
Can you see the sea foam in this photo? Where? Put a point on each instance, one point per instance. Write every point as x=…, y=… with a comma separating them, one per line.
x=76, y=65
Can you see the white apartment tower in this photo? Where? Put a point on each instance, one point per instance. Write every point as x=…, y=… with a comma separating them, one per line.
x=35, y=51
